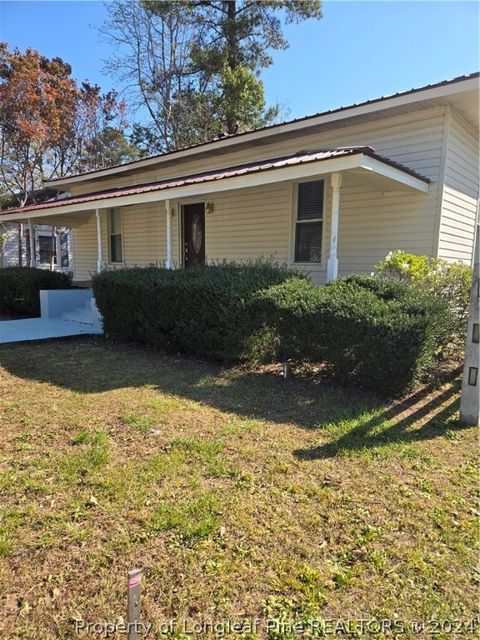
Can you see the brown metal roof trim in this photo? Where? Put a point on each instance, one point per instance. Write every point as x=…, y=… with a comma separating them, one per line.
x=435, y=85
x=301, y=157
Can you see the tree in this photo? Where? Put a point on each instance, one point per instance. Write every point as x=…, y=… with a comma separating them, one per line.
x=239, y=37
x=37, y=107
x=152, y=61
x=97, y=138
x=50, y=126
x=194, y=65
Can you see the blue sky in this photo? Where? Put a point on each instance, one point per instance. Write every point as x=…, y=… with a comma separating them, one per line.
x=360, y=50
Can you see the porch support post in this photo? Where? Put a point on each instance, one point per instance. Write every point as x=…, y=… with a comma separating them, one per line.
x=31, y=234
x=100, y=261
x=332, y=264
x=169, y=261
x=58, y=250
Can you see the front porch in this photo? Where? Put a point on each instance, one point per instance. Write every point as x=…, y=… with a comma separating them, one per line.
x=246, y=212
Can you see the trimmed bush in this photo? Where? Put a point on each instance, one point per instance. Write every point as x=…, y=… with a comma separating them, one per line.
x=451, y=281
x=20, y=287
x=376, y=332
x=202, y=311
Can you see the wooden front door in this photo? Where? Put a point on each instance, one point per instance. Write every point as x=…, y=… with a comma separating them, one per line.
x=194, y=234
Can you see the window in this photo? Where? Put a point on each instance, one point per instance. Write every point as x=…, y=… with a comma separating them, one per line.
x=63, y=250
x=309, y=222
x=115, y=235
x=45, y=249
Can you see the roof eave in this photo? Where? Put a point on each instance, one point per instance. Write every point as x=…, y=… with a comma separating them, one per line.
x=363, y=161
x=440, y=90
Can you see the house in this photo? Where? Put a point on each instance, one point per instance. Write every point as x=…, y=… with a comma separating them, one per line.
x=331, y=193
x=49, y=243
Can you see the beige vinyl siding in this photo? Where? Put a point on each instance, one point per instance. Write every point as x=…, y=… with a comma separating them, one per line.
x=143, y=239
x=84, y=242
x=247, y=223
x=143, y=231
x=414, y=139
x=371, y=224
x=460, y=192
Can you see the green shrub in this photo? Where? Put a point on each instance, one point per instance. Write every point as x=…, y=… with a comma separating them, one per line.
x=377, y=332
x=202, y=311
x=450, y=281
x=20, y=287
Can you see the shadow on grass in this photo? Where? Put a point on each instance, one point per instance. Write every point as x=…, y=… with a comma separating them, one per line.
x=90, y=366
x=422, y=416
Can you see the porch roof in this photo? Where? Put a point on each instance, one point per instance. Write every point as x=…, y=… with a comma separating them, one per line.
x=295, y=166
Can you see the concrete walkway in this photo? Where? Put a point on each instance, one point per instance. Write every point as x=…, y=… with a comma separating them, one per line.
x=64, y=313
x=42, y=329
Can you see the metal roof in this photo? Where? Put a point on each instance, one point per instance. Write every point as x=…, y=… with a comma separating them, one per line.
x=301, y=157
x=272, y=127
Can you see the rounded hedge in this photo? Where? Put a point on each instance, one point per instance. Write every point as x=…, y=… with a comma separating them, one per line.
x=201, y=311
x=377, y=332
x=374, y=331
x=20, y=288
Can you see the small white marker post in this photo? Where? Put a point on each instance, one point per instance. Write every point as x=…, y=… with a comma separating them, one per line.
x=134, y=594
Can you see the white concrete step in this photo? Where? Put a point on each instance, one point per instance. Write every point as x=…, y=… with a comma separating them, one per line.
x=67, y=312
x=71, y=305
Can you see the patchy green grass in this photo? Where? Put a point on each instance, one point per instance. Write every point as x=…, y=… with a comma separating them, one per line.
x=239, y=494
x=190, y=519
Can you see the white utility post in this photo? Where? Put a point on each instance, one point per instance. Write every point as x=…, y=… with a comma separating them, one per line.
x=169, y=261
x=332, y=264
x=470, y=401
x=100, y=261
x=31, y=234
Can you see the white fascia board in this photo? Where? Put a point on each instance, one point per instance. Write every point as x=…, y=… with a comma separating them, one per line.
x=296, y=172
x=471, y=84
x=386, y=170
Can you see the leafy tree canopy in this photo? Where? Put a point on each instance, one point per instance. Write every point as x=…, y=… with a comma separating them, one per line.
x=50, y=126
x=194, y=65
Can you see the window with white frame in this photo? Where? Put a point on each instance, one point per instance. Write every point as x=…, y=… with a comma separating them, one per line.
x=45, y=249
x=115, y=235
x=309, y=222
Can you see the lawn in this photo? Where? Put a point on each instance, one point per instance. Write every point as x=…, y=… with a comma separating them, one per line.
x=239, y=494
